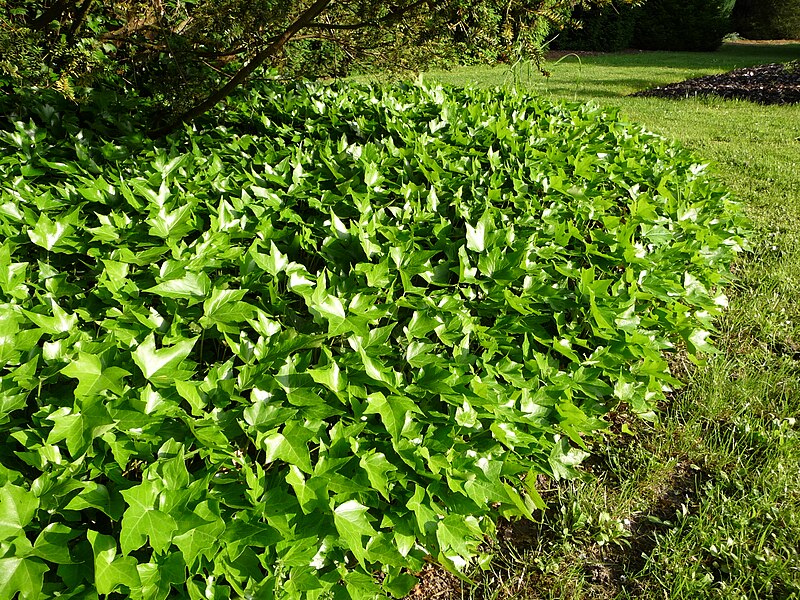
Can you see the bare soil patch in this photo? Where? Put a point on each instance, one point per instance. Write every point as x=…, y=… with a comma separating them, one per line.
x=764, y=84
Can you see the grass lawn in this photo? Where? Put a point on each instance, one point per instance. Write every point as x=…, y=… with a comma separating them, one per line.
x=705, y=503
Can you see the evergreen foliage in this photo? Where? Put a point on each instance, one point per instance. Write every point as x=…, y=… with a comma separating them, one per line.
x=696, y=25
x=603, y=29
x=767, y=19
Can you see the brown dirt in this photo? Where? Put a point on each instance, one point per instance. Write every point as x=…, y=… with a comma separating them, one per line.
x=763, y=84
x=743, y=42
x=435, y=583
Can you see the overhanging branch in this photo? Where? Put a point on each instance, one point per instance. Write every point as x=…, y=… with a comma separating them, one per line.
x=259, y=59
x=394, y=14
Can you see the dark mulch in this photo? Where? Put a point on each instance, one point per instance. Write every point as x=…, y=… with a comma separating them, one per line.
x=764, y=84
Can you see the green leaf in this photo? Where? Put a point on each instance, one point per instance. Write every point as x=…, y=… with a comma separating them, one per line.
x=250, y=533
x=191, y=286
x=399, y=584
x=564, y=347
x=372, y=176
x=158, y=365
x=111, y=571
x=142, y=522
x=60, y=322
x=697, y=342
x=17, y=509
x=395, y=412
x=330, y=376
x=466, y=416
x=202, y=539
x=226, y=306
x=51, y=544
x=23, y=576
x=352, y=524
x=171, y=223
x=79, y=428
x=476, y=236
x=564, y=459
x=420, y=507
x=95, y=496
x=458, y=534
x=289, y=446
x=92, y=378
x=48, y=233
x=273, y=263
x=376, y=466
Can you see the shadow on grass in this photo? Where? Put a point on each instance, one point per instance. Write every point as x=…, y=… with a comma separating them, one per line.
x=731, y=55
x=605, y=76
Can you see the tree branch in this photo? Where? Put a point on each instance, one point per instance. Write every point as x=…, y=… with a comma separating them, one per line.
x=79, y=19
x=394, y=14
x=311, y=13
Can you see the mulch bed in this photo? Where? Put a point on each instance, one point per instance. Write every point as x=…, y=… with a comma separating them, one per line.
x=763, y=84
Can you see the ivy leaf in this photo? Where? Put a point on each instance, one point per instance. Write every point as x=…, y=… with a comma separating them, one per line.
x=377, y=466
x=94, y=496
x=142, y=522
x=274, y=262
x=248, y=532
x=399, y=584
x=48, y=233
x=458, y=534
x=330, y=376
x=51, y=543
x=564, y=459
x=698, y=342
x=60, y=322
x=226, y=306
x=352, y=524
x=289, y=446
x=23, y=576
x=201, y=539
x=79, y=428
x=17, y=509
x=158, y=365
x=564, y=347
x=110, y=570
x=476, y=236
x=92, y=378
x=191, y=286
x=171, y=223
x=372, y=176
x=395, y=412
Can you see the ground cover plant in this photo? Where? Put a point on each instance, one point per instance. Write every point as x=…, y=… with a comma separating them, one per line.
x=305, y=351
x=706, y=502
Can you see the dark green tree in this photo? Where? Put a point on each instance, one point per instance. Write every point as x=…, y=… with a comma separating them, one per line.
x=767, y=19
x=695, y=25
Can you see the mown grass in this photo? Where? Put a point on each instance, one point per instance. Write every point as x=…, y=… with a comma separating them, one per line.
x=706, y=502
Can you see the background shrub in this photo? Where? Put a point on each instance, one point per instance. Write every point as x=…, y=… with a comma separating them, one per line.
x=604, y=29
x=696, y=25
x=767, y=19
